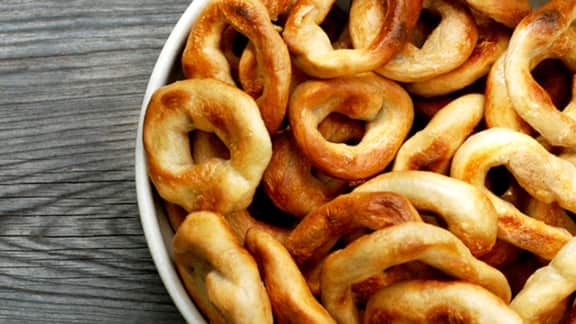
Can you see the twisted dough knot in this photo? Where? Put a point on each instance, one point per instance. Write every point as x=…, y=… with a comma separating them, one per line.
x=315, y=55
x=321, y=229
x=203, y=58
x=221, y=276
x=383, y=104
x=212, y=106
x=466, y=210
x=448, y=46
x=432, y=148
x=545, y=33
x=548, y=287
x=431, y=301
x=291, y=299
x=543, y=175
x=373, y=253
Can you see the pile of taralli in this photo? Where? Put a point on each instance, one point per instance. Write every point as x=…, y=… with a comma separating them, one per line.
x=394, y=161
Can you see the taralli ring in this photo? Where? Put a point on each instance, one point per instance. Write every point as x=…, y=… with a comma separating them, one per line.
x=289, y=180
x=218, y=184
x=555, y=182
x=315, y=55
x=399, y=244
x=498, y=110
x=432, y=301
x=548, y=286
x=500, y=146
x=492, y=42
x=551, y=214
x=432, y=148
x=382, y=104
x=323, y=227
x=446, y=48
x=292, y=301
x=220, y=274
x=544, y=33
x=466, y=210
x=509, y=12
x=203, y=58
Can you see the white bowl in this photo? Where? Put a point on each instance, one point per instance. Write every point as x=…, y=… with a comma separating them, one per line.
x=156, y=226
x=157, y=229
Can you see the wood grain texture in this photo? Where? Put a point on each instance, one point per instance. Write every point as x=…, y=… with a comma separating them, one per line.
x=72, y=77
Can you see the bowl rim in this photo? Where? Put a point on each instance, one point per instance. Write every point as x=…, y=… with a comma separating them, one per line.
x=159, y=241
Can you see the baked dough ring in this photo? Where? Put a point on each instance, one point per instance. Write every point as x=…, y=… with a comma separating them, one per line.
x=219, y=274
x=383, y=104
x=289, y=179
x=548, y=286
x=545, y=176
x=202, y=57
x=314, y=54
x=498, y=110
x=466, y=210
x=412, y=241
x=551, y=214
x=323, y=227
x=492, y=42
x=447, y=47
x=432, y=148
x=544, y=33
x=212, y=106
x=291, y=299
x=508, y=12
x=432, y=301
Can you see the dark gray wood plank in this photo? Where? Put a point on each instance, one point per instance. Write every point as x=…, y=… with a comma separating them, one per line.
x=72, y=77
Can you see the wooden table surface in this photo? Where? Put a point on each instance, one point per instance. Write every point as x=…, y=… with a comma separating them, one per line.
x=72, y=78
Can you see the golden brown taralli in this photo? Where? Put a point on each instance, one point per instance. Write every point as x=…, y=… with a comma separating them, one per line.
x=548, y=286
x=509, y=12
x=203, y=58
x=545, y=33
x=432, y=148
x=430, y=301
x=213, y=106
x=398, y=244
x=383, y=104
x=221, y=276
x=492, y=42
x=290, y=183
x=543, y=175
x=466, y=210
x=292, y=301
x=446, y=48
x=313, y=52
x=322, y=228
